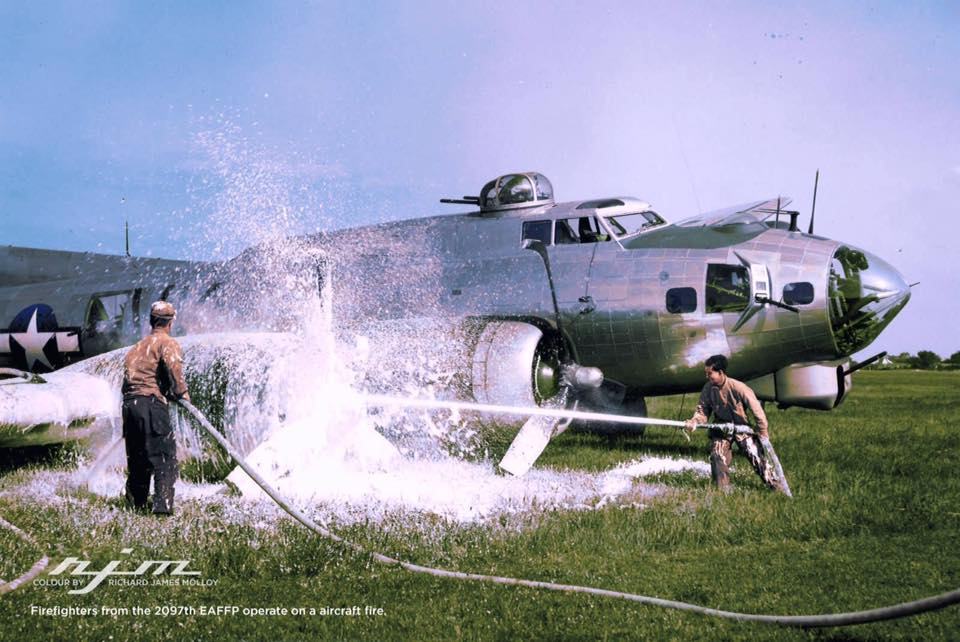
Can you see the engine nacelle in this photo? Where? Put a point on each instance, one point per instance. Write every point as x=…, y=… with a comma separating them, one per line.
x=821, y=386
x=514, y=365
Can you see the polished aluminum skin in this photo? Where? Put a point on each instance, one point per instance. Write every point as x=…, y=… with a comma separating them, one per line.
x=643, y=300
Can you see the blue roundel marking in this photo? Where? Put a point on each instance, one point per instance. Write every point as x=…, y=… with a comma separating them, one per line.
x=46, y=319
x=35, y=342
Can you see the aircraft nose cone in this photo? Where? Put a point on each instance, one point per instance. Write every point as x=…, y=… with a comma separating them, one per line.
x=883, y=280
x=866, y=293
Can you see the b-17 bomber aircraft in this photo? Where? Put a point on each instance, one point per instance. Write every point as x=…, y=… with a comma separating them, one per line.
x=603, y=301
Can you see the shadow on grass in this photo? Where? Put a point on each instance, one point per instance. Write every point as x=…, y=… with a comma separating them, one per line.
x=49, y=456
x=630, y=443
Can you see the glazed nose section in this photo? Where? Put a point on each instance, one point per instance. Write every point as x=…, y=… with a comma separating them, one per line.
x=866, y=293
x=883, y=281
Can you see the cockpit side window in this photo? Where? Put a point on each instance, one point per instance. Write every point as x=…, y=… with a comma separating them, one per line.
x=728, y=288
x=583, y=229
x=589, y=230
x=538, y=230
x=564, y=233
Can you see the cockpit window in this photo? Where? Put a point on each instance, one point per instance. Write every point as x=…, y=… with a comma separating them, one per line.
x=728, y=288
x=515, y=188
x=624, y=225
x=583, y=229
x=564, y=233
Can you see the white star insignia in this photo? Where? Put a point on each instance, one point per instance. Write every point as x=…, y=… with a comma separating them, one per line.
x=33, y=343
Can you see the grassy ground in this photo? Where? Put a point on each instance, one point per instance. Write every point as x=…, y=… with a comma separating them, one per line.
x=875, y=521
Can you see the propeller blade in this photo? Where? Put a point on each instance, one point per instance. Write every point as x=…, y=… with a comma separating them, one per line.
x=534, y=436
x=528, y=444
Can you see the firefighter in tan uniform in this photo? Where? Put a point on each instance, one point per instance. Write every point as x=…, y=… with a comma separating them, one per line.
x=152, y=374
x=728, y=400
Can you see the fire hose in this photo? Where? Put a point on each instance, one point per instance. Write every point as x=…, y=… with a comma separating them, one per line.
x=36, y=569
x=904, y=609
x=725, y=429
x=41, y=564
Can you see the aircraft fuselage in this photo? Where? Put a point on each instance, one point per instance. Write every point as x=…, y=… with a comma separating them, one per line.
x=646, y=308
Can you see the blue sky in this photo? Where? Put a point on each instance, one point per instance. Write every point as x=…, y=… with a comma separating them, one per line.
x=181, y=116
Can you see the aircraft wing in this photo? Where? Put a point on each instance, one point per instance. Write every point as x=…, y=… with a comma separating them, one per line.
x=754, y=212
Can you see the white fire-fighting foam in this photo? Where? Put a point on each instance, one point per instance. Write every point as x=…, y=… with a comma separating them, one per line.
x=321, y=447
x=328, y=453
x=291, y=401
x=26, y=404
x=28, y=408
x=649, y=466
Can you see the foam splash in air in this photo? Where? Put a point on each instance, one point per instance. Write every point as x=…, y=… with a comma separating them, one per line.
x=317, y=444
x=331, y=454
x=291, y=401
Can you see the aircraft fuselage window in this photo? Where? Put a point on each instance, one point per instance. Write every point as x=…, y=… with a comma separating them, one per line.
x=798, y=293
x=589, y=230
x=538, y=230
x=96, y=313
x=137, y=297
x=630, y=224
x=108, y=308
x=728, y=288
x=564, y=234
x=105, y=321
x=681, y=300
x=583, y=229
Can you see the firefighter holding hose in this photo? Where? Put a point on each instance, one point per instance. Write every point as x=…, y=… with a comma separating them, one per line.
x=728, y=400
x=152, y=374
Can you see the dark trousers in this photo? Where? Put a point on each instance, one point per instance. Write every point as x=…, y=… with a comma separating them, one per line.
x=721, y=456
x=151, y=451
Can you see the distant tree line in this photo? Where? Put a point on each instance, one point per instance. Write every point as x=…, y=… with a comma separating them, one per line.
x=923, y=360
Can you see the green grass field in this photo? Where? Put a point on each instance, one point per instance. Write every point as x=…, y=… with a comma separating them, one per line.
x=875, y=521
